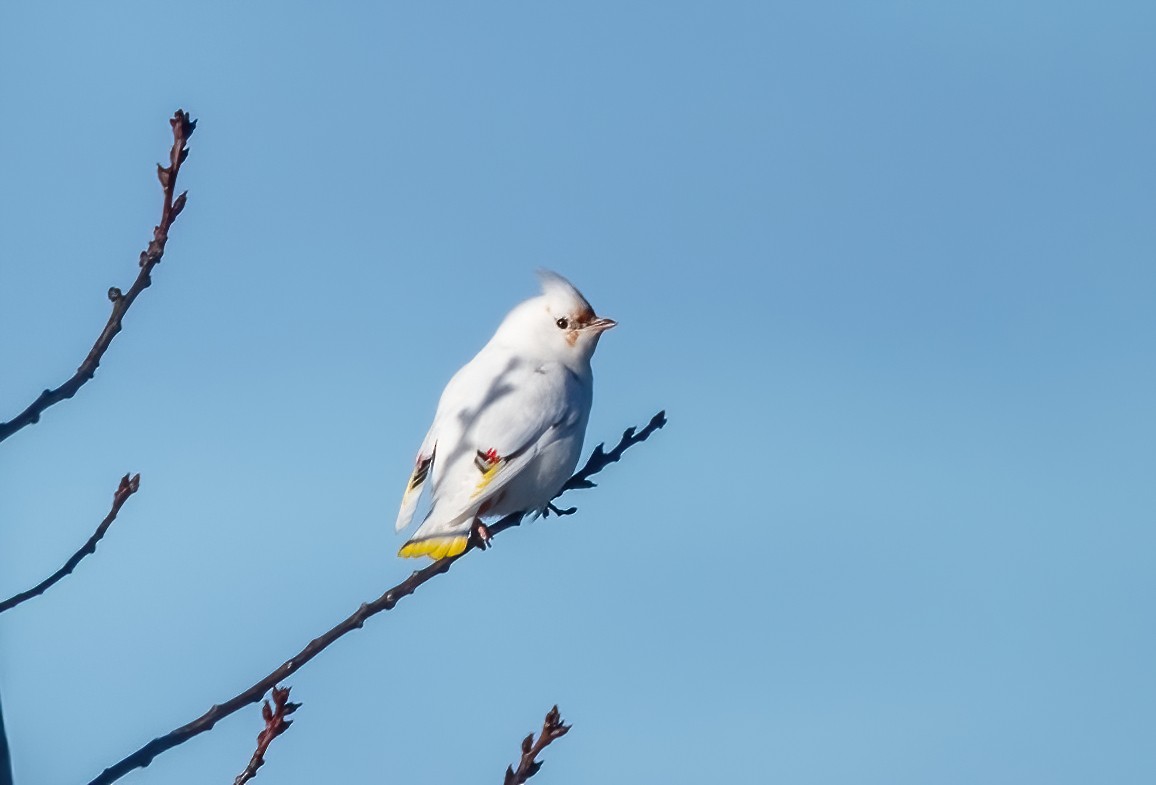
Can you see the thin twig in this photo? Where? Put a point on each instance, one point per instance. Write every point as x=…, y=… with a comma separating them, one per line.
x=553, y=728
x=275, y=725
x=128, y=486
x=145, y=755
x=149, y=258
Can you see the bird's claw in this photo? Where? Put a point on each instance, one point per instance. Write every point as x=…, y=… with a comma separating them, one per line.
x=480, y=534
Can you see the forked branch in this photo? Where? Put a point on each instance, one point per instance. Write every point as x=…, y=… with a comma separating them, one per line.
x=183, y=128
x=128, y=486
x=553, y=728
x=145, y=755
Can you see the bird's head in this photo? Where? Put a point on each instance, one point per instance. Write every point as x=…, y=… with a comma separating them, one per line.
x=559, y=324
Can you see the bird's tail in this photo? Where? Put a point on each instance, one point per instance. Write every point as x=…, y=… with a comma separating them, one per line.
x=438, y=537
x=436, y=547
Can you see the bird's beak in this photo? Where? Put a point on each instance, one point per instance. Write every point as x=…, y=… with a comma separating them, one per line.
x=601, y=325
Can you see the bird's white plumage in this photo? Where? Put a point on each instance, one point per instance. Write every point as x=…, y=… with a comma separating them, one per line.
x=510, y=424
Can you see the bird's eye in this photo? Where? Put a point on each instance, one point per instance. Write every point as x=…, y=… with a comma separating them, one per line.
x=563, y=323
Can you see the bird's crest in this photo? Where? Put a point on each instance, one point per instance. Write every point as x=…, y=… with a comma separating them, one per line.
x=558, y=289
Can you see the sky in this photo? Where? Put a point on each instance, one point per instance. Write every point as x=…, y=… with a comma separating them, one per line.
x=888, y=267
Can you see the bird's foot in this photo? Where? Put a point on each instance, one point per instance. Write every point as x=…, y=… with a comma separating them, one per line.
x=480, y=534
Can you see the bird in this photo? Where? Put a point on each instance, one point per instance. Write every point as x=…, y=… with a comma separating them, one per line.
x=509, y=426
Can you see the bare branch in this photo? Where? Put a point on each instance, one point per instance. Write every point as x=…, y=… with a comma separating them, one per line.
x=600, y=459
x=128, y=486
x=145, y=755
x=275, y=725
x=5, y=758
x=149, y=258
x=553, y=728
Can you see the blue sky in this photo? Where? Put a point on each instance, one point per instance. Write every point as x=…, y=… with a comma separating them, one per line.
x=889, y=267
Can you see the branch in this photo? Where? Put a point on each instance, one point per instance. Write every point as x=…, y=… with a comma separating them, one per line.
x=128, y=486
x=145, y=755
x=275, y=725
x=182, y=129
x=5, y=759
x=553, y=728
x=600, y=459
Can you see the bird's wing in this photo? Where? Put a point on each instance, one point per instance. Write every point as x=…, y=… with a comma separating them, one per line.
x=458, y=396
x=514, y=428
x=523, y=409
x=422, y=467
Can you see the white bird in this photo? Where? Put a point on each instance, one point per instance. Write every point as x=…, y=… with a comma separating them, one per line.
x=509, y=426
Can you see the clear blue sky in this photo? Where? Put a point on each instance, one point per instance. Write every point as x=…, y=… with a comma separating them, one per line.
x=890, y=267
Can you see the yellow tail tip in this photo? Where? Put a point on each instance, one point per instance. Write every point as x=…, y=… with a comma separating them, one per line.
x=434, y=547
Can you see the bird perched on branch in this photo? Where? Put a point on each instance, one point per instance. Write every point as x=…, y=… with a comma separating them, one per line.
x=509, y=426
